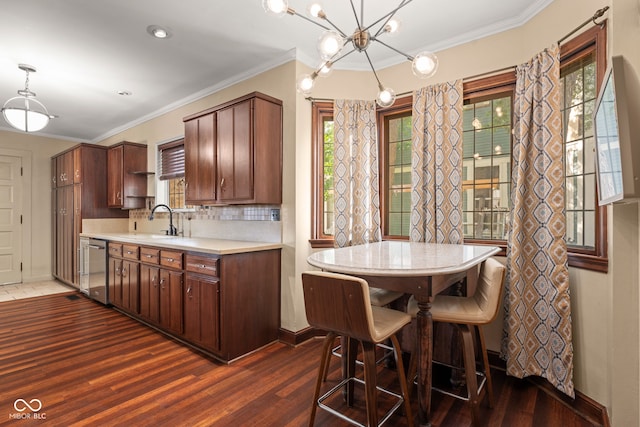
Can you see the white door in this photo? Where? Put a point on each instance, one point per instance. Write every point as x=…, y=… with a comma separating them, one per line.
x=10, y=219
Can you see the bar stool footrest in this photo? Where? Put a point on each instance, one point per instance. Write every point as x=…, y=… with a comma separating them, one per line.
x=340, y=415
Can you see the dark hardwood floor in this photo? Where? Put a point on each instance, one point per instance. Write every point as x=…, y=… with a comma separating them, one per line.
x=91, y=365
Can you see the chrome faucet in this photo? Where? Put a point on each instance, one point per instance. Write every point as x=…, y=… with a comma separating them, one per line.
x=172, y=231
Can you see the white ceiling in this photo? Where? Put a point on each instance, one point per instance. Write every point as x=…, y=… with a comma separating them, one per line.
x=85, y=51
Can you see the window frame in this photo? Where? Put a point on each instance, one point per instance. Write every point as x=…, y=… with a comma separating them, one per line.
x=400, y=108
x=483, y=89
x=591, y=40
x=321, y=111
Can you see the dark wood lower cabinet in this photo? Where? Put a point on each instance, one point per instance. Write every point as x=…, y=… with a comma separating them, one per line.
x=171, y=300
x=227, y=305
x=202, y=311
x=150, y=293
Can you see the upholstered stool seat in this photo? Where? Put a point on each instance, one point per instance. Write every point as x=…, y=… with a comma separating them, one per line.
x=469, y=314
x=341, y=305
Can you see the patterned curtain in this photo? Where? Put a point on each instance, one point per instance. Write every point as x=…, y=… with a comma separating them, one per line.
x=355, y=172
x=537, y=327
x=436, y=178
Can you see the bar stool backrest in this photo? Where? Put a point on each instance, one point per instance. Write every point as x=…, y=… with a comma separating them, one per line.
x=489, y=289
x=339, y=303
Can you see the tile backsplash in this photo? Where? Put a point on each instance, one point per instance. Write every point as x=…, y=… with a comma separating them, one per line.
x=247, y=223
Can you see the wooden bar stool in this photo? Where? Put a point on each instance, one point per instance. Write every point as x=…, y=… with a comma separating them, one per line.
x=340, y=305
x=469, y=314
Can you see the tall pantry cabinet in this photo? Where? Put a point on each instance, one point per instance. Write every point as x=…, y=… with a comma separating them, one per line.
x=78, y=191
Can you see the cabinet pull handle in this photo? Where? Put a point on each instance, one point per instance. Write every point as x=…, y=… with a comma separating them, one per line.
x=162, y=283
x=153, y=282
x=222, y=183
x=202, y=266
x=189, y=292
x=117, y=271
x=170, y=259
x=129, y=253
x=148, y=256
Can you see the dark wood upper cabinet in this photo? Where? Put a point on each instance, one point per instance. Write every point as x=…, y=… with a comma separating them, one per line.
x=127, y=176
x=239, y=160
x=200, y=160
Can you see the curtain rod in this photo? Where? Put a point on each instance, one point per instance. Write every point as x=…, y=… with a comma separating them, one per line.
x=595, y=16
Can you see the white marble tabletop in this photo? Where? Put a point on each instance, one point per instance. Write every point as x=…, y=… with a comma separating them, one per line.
x=401, y=258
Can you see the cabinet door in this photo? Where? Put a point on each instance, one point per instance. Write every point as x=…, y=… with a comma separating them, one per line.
x=171, y=300
x=64, y=233
x=114, y=176
x=77, y=165
x=235, y=152
x=202, y=311
x=150, y=293
x=130, y=288
x=115, y=281
x=54, y=172
x=200, y=160
x=75, y=237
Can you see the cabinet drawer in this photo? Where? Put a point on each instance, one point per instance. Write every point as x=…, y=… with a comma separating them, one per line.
x=131, y=251
x=115, y=249
x=171, y=259
x=201, y=264
x=150, y=255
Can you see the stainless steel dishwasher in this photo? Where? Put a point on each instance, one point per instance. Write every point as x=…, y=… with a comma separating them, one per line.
x=93, y=269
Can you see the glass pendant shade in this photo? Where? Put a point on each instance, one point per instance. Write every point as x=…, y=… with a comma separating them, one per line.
x=424, y=65
x=325, y=69
x=26, y=114
x=275, y=7
x=305, y=84
x=386, y=97
x=314, y=9
x=392, y=27
x=330, y=44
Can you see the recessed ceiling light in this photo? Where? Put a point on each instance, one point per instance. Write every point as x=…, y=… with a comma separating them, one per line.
x=125, y=92
x=159, y=32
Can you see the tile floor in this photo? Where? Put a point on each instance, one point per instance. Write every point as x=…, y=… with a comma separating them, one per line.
x=34, y=289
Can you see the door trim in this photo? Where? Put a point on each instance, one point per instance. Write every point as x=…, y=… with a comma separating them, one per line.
x=27, y=182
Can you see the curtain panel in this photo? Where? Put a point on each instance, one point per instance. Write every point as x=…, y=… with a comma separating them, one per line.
x=537, y=327
x=436, y=177
x=355, y=173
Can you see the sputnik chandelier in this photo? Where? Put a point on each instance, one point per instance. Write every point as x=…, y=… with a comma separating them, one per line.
x=332, y=43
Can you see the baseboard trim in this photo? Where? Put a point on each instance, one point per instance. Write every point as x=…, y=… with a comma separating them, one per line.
x=582, y=405
x=295, y=338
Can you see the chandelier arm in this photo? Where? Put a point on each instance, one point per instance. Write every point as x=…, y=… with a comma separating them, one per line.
x=340, y=57
x=355, y=14
x=409, y=57
x=293, y=12
x=373, y=69
x=402, y=4
x=381, y=29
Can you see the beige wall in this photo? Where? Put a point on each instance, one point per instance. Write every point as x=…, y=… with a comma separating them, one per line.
x=36, y=155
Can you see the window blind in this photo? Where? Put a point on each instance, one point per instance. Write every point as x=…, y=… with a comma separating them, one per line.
x=171, y=160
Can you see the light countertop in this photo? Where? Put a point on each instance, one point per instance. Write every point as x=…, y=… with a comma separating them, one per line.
x=196, y=244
